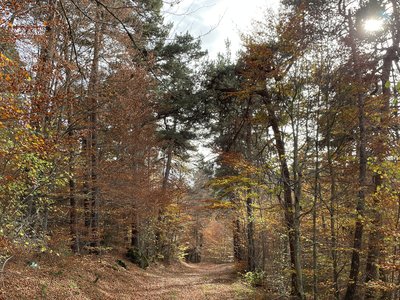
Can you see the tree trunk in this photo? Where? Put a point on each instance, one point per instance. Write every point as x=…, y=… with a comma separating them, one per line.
x=93, y=103
x=332, y=214
x=292, y=227
x=41, y=100
x=237, y=241
x=251, y=255
x=264, y=240
x=362, y=145
x=314, y=214
x=73, y=216
x=167, y=171
x=161, y=246
x=251, y=251
x=73, y=208
x=85, y=187
x=375, y=237
x=134, y=236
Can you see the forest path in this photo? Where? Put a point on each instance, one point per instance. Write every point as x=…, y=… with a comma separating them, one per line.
x=194, y=281
x=102, y=278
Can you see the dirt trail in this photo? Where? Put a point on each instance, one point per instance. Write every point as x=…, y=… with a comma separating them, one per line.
x=101, y=278
x=199, y=281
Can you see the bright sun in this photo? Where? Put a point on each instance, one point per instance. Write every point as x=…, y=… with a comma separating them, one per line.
x=373, y=25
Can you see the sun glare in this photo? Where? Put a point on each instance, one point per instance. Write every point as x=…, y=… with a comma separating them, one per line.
x=373, y=25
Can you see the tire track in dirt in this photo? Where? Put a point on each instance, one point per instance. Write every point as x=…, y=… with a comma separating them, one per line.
x=193, y=282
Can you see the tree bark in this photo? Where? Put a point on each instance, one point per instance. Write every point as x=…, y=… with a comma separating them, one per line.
x=294, y=240
x=93, y=103
x=362, y=175
x=314, y=214
x=251, y=251
x=251, y=255
x=332, y=214
x=73, y=210
x=237, y=241
x=41, y=102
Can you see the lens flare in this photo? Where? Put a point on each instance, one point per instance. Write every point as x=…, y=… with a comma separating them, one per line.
x=373, y=25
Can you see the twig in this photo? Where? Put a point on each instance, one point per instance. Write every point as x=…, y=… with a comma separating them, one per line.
x=2, y=269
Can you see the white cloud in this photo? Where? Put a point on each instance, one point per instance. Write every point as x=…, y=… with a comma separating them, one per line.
x=217, y=20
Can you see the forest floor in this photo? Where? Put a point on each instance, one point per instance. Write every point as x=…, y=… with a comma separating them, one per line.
x=101, y=277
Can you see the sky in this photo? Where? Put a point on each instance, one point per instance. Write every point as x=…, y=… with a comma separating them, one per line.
x=215, y=21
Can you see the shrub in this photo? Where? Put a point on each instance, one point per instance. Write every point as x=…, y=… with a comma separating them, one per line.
x=255, y=278
x=137, y=257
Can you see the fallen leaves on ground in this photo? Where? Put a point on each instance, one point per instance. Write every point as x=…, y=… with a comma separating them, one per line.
x=101, y=277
